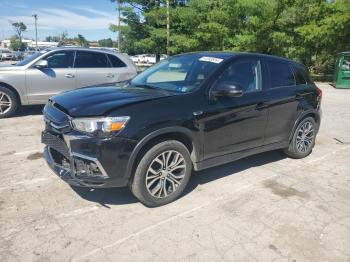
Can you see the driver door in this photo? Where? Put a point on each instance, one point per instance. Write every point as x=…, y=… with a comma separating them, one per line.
x=57, y=77
x=232, y=124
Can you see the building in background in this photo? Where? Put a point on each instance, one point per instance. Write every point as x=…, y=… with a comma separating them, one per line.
x=30, y=44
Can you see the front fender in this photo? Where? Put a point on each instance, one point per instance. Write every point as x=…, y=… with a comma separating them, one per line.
x=163, y=131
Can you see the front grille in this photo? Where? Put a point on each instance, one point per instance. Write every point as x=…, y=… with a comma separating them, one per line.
x=55, y=143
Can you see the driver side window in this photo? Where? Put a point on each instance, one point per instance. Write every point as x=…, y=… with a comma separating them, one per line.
x=244, y=73
x=60, y=59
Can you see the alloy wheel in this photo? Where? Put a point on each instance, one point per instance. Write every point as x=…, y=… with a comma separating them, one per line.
x=165, y=173
x=305, y=137
x=5, y=103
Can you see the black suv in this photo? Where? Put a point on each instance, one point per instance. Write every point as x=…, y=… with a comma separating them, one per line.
x=191, y=111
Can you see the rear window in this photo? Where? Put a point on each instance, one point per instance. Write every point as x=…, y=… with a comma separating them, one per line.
x=115, y=61
x=300, y=75
x=85, y=59
x=280, y=74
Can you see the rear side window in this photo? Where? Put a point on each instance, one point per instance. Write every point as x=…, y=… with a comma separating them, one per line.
x=115, y=61
x=85, y=59
x=300, y=75
x=280, y=74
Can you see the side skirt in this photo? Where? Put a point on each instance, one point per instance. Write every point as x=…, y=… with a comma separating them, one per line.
x=220, y=160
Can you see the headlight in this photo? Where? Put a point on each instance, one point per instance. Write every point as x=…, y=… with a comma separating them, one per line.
x=103, y=124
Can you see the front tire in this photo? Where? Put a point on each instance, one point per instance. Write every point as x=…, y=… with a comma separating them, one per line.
x=162, y=173
x=303, y=139
x=9, y=102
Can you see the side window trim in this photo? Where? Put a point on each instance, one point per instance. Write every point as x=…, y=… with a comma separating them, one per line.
x=303, y=73
x=75, y=57
x=109, y=61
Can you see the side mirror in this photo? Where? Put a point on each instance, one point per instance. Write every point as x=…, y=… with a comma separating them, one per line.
x=41, y=64
x=227, y=90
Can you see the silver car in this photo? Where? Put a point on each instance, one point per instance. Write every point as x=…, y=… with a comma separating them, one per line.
x=46, y=73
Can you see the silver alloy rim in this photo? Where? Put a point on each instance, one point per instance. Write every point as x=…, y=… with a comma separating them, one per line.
x=5, y=103
x=165, y=174
x=305, y=137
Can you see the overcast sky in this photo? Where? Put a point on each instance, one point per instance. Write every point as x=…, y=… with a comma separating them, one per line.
x=90, y=18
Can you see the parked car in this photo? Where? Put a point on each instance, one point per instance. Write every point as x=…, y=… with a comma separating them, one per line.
x=7, y=55
x=18, y=55
x=138, y=59
x=191, y=111
x=146, y=58
x=46, y=73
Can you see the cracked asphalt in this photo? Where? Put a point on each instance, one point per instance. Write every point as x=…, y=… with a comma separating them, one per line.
x=262, y=208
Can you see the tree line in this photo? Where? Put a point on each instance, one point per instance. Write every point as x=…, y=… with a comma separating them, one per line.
x=309, y=31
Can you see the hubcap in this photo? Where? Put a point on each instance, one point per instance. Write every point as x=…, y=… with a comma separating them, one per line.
x=305, y=137
x=5, y=103
x=165, y=174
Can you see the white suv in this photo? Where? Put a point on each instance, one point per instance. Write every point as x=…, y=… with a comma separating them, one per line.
x=49, y=72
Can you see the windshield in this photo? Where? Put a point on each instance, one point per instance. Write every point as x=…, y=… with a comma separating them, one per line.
x=179, y=74
x=30, y=58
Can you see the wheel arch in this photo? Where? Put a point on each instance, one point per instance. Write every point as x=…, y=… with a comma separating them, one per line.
x=180, y=134
x=310, y=113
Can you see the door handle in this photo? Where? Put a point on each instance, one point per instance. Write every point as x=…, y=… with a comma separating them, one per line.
x=261, y=106
x=110, y=75
x=69, y=75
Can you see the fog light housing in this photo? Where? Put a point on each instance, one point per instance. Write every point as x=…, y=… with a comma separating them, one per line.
x=85, y=168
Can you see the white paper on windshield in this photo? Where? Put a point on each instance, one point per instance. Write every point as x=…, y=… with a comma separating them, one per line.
x=211, y=59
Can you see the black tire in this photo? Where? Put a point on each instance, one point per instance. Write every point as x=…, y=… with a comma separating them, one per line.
x=138, y=186
x=295, y=151
x=11, y=97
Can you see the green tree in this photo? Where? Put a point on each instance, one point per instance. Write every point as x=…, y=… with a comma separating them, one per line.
x=106, y=42
x=19, y=28
x=82, y=41
x=311, y=32
x=16, y=44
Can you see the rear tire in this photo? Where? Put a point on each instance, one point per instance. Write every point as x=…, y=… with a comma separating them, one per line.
x=162, y=173
x=303, y=139
x=9, y=102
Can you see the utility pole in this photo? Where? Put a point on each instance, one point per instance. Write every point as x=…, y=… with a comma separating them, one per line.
x=118, y=6
x=36, y=30
x=167, y=27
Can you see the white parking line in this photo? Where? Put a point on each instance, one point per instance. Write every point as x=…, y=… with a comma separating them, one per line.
x=327, y=155
x=78, y=212
x=27, y=152
x=28, y=182
x=146, y=229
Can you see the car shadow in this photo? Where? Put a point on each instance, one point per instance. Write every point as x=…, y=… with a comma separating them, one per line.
x=29, y=110
x=218, y=172
x=120, y=196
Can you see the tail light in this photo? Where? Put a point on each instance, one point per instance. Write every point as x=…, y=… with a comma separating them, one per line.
x=319, y=92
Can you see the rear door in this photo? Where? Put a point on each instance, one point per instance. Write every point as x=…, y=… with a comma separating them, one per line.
x=59, y=76
x=287, y=88
x=120, y=70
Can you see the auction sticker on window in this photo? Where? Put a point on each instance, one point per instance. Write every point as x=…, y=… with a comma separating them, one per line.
x=211, y=59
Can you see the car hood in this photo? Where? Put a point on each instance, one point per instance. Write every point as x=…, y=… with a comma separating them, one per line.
x=8, y=67
x=98, y=101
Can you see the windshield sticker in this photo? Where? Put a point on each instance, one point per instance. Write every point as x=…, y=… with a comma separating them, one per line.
x=211, y=59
